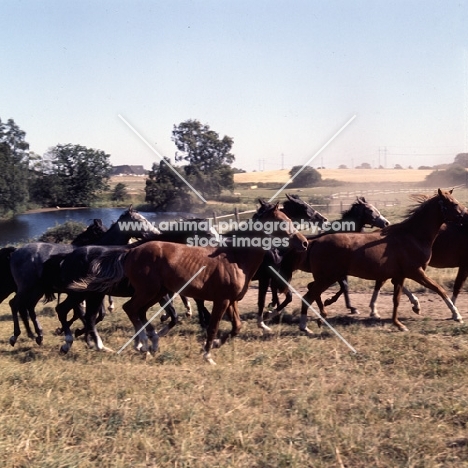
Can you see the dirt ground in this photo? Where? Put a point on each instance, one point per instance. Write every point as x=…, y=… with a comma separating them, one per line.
x=432, y=307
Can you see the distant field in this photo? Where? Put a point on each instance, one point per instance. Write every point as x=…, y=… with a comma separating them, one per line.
x=136, y=184
x=342, y=175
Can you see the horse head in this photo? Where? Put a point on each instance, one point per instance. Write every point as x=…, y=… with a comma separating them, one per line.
x=299, y=210
x=366, y=214
x=452, y=209
x=283, y=226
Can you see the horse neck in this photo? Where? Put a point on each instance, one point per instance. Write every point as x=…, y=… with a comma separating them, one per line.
x=114, y=236
x=423, y=223
x=357, y=220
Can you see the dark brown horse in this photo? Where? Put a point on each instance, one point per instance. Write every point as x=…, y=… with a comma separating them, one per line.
x=396, y=252
x=220, y=275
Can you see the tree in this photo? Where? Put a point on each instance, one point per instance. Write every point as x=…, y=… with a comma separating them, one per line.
x=364, y=165
x=308, y=177
x=208, y=157
x=453, y=175
x=461, y=159
x=120, y=192
x=165, y=190
x=13, y=167
x=73, y=175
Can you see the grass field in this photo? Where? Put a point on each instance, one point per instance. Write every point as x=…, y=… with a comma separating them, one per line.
x=277, y=400
x=281, y=400
x=343, y=175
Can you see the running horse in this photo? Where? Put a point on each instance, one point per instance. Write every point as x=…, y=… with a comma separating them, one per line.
x=27, y=263
x=399, y=251
x=360, y=214
x=217, y=274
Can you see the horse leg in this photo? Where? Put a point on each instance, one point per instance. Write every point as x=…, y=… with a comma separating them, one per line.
x=262, y=292
x=204, y=315
x=414, y=300
x=421, y=277
x=373, y=303
x=314, y=290
x=170, y=312
x=16, y=325
x=397, y=287
x=459, y=281
x=219, y=308
x=344, y=286
x=111, y=305
x=95, y=312
x=187, y=305
x=62, y=310
x=233, y=311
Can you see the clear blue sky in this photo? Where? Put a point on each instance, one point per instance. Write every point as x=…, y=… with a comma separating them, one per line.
x=279, y=77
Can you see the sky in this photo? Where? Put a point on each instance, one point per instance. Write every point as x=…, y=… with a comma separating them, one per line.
x=279, y=77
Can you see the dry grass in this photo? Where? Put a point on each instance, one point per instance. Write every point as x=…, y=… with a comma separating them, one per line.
x=343, y=175
x=285, y=400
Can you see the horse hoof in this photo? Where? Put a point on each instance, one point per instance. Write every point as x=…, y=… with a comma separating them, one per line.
x=58, y=331
x=13, y=340
x=164, y=317
x=216, y=343
x=209, y=359
x=306, y=331
x=374, y=315
x=263, y=327
x=417, y=310
x=64, y=349
x=39, y=340
x=354, y=311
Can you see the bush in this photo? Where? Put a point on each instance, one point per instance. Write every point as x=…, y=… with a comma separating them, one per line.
x=453, y=175
x=65, y=232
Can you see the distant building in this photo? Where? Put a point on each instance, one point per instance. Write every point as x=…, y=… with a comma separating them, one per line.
x=127, y=169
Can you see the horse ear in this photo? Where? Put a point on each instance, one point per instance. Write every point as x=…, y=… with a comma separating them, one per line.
x=130, y=208
x=451, y=191
x=276, y=206
x=440, y=192
x=288, y=197
x=262, y=202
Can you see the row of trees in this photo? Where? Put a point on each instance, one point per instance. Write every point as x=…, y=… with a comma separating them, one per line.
x=73, y=175
x=67, y=175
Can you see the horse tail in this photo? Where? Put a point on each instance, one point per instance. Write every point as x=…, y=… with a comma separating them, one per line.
x=104, y=272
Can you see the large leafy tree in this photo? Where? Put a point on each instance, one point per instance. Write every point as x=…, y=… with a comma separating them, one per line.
x=165, y=190
x=13, y=167
x=73, y=175
x=208, y=157
x=306, y=176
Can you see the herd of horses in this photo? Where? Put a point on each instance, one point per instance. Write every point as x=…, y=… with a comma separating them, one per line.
x=101, y=262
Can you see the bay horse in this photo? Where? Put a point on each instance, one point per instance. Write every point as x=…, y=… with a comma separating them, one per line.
x=359, y=215
x=399, y=251
x=26, y=264
x=218, y=274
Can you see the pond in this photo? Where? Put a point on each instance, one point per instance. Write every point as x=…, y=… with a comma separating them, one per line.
x=29, y=226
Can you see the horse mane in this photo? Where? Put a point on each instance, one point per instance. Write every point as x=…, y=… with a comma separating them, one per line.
x=421, y=200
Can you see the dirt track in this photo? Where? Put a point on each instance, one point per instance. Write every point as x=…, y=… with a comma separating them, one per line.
x=432, y=307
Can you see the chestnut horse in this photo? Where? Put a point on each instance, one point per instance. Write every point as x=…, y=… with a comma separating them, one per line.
x=360, y=214
x=396, y=252
x=450, y=250
x=217, y=274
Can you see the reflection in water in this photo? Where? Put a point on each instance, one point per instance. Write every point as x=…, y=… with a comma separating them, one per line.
x=28, y=227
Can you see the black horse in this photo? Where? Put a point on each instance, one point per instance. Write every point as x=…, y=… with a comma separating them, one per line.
x=27, y=263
